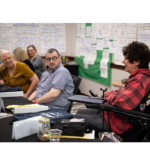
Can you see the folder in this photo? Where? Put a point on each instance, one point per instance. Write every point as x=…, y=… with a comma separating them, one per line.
x=86, y=136
x=32, y=108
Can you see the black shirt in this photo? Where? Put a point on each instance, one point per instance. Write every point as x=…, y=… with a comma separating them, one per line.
x=29, y=64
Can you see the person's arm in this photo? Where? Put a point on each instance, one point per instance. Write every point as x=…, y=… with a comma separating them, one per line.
x=130, y=96
x=34, y=81
x=2, y=81
x=32, y=96
x=48, y=97
x=1, y=65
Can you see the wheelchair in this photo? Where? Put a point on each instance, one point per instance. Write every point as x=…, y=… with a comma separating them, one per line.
x=140, y=120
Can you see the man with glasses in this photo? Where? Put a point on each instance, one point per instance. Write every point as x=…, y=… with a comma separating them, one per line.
x=55, y=85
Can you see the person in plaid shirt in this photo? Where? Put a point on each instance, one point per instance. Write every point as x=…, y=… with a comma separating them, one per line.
x=136, y=61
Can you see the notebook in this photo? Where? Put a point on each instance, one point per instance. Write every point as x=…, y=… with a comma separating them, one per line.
x=32, y=108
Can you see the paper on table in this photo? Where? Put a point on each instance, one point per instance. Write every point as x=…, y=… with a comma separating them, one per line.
x=25, y=127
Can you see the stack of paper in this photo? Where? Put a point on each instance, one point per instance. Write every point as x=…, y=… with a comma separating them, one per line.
x=32, y=108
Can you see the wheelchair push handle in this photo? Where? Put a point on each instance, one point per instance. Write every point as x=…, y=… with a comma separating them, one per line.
x=103, y=91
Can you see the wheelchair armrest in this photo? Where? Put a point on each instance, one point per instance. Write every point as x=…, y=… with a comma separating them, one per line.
x=132, y=113
x=94, y=106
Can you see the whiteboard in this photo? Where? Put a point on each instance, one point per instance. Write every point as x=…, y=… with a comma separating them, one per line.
x=108, y=36
x=42, y=36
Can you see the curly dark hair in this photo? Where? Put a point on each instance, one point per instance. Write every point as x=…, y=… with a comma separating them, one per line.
x=137, y=51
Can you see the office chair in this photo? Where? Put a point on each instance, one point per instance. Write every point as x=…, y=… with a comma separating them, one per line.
x=76, y=82
x=139, y=120
x=38, y=73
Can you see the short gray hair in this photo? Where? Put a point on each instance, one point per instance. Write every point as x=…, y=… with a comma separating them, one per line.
x=52, y=50
x=3, y=51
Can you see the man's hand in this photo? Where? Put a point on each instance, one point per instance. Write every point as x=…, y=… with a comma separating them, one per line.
x=25, y=95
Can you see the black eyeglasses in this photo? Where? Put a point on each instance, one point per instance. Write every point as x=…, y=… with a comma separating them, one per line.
x=49, y=59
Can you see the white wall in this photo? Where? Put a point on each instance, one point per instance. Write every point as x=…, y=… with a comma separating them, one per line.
x=87, y=84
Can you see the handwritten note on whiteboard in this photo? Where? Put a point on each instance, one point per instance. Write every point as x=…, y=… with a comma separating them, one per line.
x=6, y=36
x=144, y=33
x=52, y=36
x=126, y=34
x=25, y=34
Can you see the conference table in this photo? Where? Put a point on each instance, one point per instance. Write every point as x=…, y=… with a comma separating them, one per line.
x=6, y=124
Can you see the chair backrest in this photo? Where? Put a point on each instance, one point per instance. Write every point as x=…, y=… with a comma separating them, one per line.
x=38, y=73
x=76, y=82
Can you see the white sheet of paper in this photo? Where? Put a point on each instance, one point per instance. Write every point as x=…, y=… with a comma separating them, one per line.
x=78, y=29
x=100, y=44
x=100, y=30
x=126, y=34
x=119, y=58
x=6, y=36
x=144, y=33
x=88, y=50
x=113, y=31
x=77, y=47
x=25, y=127
x=25, y=34
x=104, y=68
x=53, y=36
x=86, y=62
x=82, y=50
x=105, y=54
x=88, y=31
x=113, y=47
x=106, y=42
x=88, y=42
x=106, y=29
x=82, y=30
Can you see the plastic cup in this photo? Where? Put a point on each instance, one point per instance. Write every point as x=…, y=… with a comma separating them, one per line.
x=54, y=135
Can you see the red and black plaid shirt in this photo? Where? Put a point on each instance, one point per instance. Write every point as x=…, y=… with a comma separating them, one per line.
x=128, y=98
